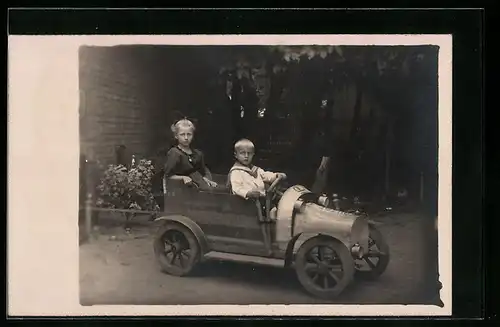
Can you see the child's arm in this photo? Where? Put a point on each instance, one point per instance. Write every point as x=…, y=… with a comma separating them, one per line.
x=269, y=176
x=207, y=174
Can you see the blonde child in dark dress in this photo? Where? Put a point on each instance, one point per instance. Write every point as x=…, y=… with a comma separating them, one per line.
x=185, y=163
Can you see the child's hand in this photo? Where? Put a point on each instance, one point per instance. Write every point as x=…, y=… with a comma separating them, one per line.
x=187, y=180
x=253, y=194
x=210, y=183
x=281, y=175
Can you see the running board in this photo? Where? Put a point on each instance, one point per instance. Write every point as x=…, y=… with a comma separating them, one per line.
x=245, y=258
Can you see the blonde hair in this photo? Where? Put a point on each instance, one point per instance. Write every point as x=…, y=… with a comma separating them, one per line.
x=243, y=143
x=182, y=123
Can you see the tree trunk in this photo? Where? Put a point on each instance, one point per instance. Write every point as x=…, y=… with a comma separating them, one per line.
x=235, y=102
x=355, y=144
x=357, y=113
x=388, y=156
x=387, y=169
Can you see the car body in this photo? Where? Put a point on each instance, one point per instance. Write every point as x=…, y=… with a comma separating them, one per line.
x=296, y=226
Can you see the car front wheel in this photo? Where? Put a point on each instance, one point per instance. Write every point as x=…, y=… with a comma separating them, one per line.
x=376, y=259
x=176, y=249
x=324, y=267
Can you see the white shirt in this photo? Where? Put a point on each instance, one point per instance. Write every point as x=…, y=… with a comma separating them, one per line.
x=244, y=179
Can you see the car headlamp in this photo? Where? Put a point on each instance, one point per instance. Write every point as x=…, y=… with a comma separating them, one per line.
x=324, y=201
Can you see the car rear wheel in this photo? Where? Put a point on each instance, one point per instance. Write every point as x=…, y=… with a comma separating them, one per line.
x=176, y=249
x=324, y=267
x=376, y=259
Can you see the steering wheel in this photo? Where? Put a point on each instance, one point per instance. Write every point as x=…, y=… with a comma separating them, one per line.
x=271, y=193
x=274, y=184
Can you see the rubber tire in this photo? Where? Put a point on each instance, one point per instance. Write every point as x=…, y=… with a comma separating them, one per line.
x=345, y=258
x=383, y=262
x=159, y=249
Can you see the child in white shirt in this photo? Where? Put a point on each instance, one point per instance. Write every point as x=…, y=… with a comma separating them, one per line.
x=247, y=180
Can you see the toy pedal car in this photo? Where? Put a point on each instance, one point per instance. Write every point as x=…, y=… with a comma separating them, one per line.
x=326, y=247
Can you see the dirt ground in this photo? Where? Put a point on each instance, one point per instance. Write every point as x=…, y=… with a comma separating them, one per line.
x=120, y=268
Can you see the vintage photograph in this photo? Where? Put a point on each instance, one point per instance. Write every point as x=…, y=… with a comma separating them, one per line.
x=258, y=174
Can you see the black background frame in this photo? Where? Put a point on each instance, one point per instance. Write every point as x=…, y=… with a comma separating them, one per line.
x=470, y=227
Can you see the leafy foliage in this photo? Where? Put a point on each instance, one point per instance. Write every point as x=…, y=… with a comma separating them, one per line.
x=292, y=79
x=379, y=70
x=120, y=188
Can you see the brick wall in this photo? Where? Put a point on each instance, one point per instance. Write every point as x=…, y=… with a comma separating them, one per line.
x=131, y=94
x=114, y=107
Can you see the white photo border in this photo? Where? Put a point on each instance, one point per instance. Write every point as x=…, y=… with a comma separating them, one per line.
x=43, y=140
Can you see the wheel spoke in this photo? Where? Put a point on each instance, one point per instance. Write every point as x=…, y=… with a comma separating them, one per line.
x=183, y=252
x=334, y=277
x=325, y=281
x=312, y=268
x=173, y=258
x=320, y=253
x=337, y=268
x=316, y=260
x=181, y=260
x=369, y=262
x=315, y=277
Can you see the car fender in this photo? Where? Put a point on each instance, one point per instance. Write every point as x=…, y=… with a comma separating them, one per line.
x=192, y=226
x=304, y=237
x=290, y=250
x=373, y=223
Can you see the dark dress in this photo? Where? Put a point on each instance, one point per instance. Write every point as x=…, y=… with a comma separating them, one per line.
x=182, y=163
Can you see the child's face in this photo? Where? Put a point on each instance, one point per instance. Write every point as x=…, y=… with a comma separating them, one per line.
x=244, y=155
x=184, y=135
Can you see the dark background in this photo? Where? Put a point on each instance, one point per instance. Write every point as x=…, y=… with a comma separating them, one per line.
x=380, y=128
x=468, y=116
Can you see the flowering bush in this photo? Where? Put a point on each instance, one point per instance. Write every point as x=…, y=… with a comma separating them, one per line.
x=122, y=188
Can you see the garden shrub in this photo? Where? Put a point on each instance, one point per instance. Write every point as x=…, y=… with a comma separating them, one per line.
x=122, y=188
